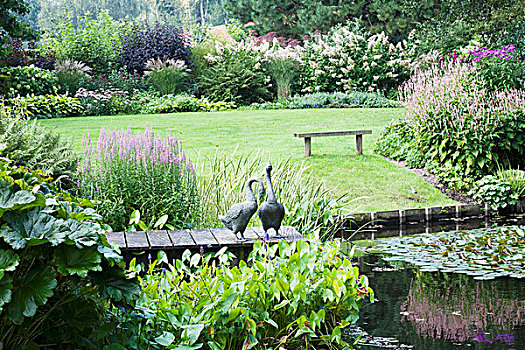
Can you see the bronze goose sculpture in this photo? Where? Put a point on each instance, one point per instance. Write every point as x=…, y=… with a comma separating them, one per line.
x=271, y=212
x=239, y=215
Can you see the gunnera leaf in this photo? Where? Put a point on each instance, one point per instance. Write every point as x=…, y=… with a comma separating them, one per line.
x=31, y=291
x=70, y=260
x=8, y=261
x=114, y=284
x=19, y=200
x=6, y=287
x=83, y=233
x=32, y=228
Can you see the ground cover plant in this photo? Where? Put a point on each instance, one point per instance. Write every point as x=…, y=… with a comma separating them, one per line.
x=483, y=253
x=128, y=171
x=57, y=271
x=297, y=295
x=379, y=184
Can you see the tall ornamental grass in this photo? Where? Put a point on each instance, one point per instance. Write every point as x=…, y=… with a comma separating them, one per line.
x=309, y=204
x=128, y=171
x=464, y=130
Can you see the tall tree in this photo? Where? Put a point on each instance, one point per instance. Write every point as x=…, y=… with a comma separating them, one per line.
x=10, y=24
x=294, y=18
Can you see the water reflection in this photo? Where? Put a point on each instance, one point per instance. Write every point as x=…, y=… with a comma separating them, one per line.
x=443, y=310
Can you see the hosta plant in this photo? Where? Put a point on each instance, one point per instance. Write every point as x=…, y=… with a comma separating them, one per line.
x=294, y=296
x=57, y=270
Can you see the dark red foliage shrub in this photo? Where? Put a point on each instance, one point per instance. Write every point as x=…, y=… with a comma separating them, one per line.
x=20, y=54
x=141, y=42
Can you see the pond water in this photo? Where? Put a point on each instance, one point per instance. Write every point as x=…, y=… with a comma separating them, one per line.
x=436, y=310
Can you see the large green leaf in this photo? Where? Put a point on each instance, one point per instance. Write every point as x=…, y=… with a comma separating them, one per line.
x=31, y=291
x=6, y=287
x=32, y=228
x=70, y=260
x=19, y=200
x=8, y=261
x=114, y=284
x=83, y=233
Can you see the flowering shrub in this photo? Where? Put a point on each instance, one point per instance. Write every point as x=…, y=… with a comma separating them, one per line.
x=294, y=296
x=141, y=42
x=104, y=102
x=344, y=61
x=462, y=129
x=127, y=171
x=501, y=68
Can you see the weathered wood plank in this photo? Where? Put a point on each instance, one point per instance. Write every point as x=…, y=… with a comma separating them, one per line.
x=290, y=234
x=137, y=240
x=118, y=238
x=181, y=238
x=224, y=236
x=203, y=237
x=159, y=239
x=251, y=234
x=333, y=133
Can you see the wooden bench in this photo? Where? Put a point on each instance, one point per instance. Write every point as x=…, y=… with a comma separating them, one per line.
x=308, y=138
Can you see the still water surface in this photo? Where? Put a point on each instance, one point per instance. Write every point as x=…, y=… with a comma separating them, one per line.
x=421, y=310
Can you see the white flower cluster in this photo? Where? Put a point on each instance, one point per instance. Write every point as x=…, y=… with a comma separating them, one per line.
x=338, y=61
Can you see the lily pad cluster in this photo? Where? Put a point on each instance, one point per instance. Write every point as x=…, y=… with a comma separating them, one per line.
x=53, y=252
x=483, y=253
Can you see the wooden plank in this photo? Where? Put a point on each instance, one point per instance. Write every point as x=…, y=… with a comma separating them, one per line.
x=333, y=133
x=307, y=146
x=224, y=236
x=118, y=238
x=290, y=234
x=203, y=237
x=159, y=239
x=137, y=240
x=251, y=234
x=181, y=238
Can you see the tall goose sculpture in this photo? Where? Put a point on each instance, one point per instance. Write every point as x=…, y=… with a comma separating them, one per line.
x=271, y=212
x=239, y=215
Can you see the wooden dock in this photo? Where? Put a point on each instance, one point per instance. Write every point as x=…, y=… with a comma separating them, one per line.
x=174, y=243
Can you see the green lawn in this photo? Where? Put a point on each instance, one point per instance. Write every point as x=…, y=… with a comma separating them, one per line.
x=379, y=184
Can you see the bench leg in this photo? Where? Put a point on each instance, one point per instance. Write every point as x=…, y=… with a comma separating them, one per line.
x=359, y=144
x=307, y=146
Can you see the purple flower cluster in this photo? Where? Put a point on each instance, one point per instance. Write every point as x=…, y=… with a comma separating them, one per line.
x=100, y=94
x=141, y=149
x=504, y=53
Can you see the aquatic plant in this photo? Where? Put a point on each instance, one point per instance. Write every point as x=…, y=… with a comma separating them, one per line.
x=483, y=253
x=294, y=296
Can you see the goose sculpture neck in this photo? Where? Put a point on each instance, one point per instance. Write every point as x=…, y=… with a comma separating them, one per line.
x=269, y=186
x=249, y=196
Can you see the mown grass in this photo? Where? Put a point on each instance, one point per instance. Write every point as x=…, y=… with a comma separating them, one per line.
x=379, y=184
